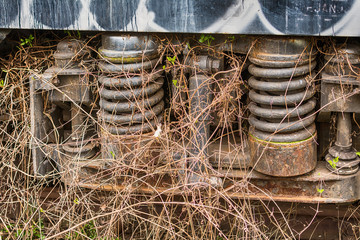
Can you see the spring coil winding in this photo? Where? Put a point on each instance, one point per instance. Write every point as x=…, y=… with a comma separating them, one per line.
x=131, y=96
x=282, y=107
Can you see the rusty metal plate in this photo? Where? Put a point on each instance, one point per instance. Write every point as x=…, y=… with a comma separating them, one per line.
x=339, y=96
x=283, y=159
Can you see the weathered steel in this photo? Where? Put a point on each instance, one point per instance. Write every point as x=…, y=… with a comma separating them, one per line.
x=302, y=17
x=283, y=159
x=229, y=153
x=127, y=49
x=134, y=117
x=146, y=102
x=319, y=186
x=339, y=94
x=127, y=81
x=66, y=90
x=342, y=158
x=200, y=89
x=282, y=109
x=38, y=131
x=131, y=96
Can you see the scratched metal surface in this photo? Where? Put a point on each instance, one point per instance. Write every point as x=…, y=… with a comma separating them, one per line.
x=299, y=17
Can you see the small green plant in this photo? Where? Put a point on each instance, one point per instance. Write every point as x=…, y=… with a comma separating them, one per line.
x=174, y=82
x=37, y=230
x=76, y=201
x=27, y=41
x=19, y=233
x=206, y=39
x=333, y=162
x=320, y=190
x=171, y=60
x=188, y=45
x=87, y=230
x=230, y=39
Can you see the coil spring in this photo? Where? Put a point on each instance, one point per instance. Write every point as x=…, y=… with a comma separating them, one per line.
x=343, y=63
x=131, y=97
x=279, y=105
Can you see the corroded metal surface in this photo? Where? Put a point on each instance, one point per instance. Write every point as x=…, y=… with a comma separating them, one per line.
x=62, y=89
x=319, y=186
x=283, y=159
x=282, y=115
x=339, y=88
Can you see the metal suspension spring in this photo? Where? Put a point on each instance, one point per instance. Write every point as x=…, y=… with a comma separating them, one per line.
x=131, y=97
x=282, y=95
x=344, y=63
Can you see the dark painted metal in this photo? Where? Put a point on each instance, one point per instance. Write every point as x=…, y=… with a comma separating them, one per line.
x=302, y=17
x=41, y=165
x=57, y=14
x=200, y=89
x=133, y=118
x=114, y=14
x=127, y=82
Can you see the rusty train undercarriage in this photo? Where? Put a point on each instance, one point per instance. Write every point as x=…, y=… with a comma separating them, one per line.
x=251, y=101
x=292, y=86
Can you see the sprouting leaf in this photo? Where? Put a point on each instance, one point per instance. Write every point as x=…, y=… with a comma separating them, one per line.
x=202, y=38
x=42, y=210
x=112, y=154
x=76, y=201
x=2, y=83
x=320, y=190
x=206, y=38
x=188, y=45
x=164, y=67
x=171, y=59
x=175, y=82
x=333, y=162
x=358, y=153
x=27, y=41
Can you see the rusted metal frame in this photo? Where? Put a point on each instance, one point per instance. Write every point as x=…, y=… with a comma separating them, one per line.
x=41, y=165
x=318, y=187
